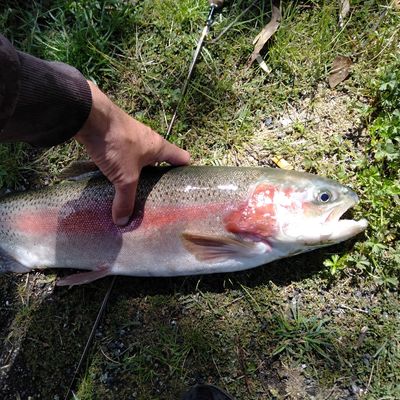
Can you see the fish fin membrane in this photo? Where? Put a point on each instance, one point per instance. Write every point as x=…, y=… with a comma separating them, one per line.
x=10, y=264
x=83, y=277
x=217, y=248
x=80, y=170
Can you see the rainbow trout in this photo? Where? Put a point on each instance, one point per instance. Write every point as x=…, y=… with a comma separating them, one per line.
x=187, y=221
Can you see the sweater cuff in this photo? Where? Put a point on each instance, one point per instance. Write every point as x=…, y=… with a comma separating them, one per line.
x=54, y=102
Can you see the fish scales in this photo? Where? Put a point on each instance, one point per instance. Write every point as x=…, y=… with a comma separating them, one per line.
x=187, y=220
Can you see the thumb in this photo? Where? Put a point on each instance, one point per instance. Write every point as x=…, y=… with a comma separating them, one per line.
x=124, y=201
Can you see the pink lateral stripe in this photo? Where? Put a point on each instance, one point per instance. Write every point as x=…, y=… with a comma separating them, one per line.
x=98, y=219
x=158, y=218
x=37, y=222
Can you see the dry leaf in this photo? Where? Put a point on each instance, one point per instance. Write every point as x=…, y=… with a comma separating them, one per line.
x=262, y=38
x=282, y=163
x=344, y=10
x=396, y=4
x=340, y=70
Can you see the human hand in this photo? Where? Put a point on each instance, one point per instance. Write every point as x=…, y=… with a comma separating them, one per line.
x=121, y=146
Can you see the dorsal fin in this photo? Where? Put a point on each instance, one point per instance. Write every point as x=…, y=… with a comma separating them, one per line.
x=80, y=170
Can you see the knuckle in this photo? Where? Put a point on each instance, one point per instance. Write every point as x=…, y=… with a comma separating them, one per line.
x=126, y=184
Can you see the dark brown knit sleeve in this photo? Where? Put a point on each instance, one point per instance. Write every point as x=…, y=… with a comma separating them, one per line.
x=9, y=80
x=45, y=103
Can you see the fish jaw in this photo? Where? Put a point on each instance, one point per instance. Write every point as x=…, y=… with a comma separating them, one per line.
x=342, y=230
x=327, y=228
x=336, y=230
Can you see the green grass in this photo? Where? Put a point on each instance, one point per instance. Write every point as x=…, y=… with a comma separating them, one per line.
x=378, y=175
x=321, y=325
x=299, y=336
x=13, y=165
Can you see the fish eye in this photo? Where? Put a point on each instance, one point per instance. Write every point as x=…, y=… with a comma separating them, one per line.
x=324, y=196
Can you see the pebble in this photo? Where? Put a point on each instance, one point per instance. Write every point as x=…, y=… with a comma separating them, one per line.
x=285, y=121
x=268, y=122
x=366, y=359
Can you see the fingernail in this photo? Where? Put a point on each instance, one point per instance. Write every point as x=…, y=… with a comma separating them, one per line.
x=122, y=221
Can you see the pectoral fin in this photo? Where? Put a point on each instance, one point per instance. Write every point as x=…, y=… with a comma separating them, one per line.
x=84, y=277
x=221, y=248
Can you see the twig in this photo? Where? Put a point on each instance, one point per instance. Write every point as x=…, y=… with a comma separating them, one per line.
x=216, y=367
x=108, y=357
x=353, y=309
x=240, y=354
x=330, y=393
x=233, y=301
x=370, y=377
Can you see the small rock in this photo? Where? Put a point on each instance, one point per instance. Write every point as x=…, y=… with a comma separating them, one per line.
x=285, y=121
x=104, y=377
x=268, y=122
x=366, y=359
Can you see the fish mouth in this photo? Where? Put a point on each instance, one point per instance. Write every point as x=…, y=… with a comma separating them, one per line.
x=338, y=229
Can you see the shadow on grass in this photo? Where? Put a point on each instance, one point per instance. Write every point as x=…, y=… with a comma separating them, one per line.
x=54, y=330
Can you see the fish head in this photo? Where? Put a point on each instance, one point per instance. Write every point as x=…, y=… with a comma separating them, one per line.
x=308, y=212
x=296, y=212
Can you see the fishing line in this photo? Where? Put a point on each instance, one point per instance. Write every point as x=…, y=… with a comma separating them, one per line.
x=92, y=332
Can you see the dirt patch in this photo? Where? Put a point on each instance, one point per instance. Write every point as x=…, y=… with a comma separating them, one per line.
x=317, y=133
x=23, y=295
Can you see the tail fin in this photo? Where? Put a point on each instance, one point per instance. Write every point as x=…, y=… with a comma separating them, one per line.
x=10, y=264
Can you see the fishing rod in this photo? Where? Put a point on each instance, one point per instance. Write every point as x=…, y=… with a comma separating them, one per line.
x=91, y=335
x=215, y=6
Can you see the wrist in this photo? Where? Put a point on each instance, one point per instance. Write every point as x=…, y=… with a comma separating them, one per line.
x=98, y=121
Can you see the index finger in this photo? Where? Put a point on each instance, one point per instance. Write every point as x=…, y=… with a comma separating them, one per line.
x=172, y=154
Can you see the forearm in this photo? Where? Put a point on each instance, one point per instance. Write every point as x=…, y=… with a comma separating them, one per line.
x=42, y=103
x=46, y=103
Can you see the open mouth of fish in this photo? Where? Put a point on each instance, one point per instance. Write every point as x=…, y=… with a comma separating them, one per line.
x=336, y=228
